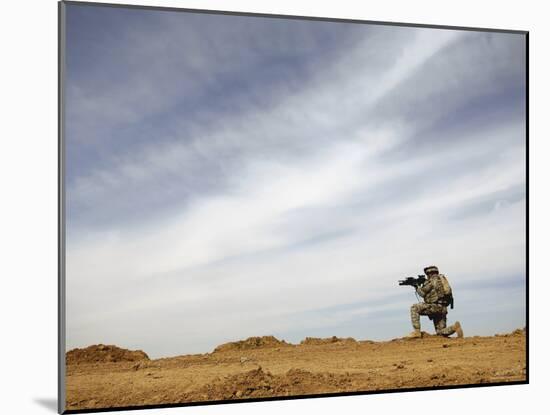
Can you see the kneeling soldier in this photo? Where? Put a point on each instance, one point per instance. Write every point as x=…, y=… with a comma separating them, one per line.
x=437, y=296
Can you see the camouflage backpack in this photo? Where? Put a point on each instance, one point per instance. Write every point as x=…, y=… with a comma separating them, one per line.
x=444, y=292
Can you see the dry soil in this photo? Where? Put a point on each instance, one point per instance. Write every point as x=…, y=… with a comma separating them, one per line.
x=106, y=376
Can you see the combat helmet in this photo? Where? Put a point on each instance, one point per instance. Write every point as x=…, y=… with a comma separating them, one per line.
x=430, y=269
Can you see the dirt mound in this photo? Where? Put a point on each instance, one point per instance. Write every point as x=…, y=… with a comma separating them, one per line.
x=328, y=340
x=252, y=343
x=318, y=366
x=101, y=353
x=258, y=383
x=515, y=333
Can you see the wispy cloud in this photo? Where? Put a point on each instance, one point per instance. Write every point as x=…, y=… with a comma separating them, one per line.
x=246, y=174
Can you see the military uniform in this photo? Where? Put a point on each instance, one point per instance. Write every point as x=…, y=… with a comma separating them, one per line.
x=432, y=292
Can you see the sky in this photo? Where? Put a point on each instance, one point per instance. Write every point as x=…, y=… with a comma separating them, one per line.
x=236, y=176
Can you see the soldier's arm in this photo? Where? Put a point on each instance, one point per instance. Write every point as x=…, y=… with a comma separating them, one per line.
x=424, y=289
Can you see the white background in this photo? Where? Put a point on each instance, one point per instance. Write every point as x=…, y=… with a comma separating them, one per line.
x=28, y=186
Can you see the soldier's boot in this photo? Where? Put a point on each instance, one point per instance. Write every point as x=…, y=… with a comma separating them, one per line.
x=416, y=334
x=458, y=330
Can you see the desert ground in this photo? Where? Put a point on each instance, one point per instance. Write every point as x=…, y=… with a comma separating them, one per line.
x=103, y=376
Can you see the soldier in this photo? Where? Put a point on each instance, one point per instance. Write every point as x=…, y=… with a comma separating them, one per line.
x=436, y=300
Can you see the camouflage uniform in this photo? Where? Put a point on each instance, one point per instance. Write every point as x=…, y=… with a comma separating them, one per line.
x=431, y=293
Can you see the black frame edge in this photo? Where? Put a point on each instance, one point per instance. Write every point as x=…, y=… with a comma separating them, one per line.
x=527, y=206
x=288, y=398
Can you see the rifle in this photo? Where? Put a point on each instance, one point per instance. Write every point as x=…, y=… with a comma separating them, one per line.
x=413, y=282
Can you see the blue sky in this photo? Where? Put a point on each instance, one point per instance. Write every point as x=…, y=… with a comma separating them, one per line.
x=233, y=176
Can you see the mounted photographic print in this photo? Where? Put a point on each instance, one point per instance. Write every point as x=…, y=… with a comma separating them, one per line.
x=258, y=207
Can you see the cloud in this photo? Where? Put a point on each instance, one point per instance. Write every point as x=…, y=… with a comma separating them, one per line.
x=252, y=206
